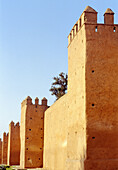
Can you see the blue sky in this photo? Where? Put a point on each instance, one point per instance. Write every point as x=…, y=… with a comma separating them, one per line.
x=33, y=48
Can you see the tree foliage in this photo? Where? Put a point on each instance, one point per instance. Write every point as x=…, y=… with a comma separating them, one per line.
x=59, y=86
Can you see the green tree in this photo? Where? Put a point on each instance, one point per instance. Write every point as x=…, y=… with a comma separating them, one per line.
x=59, y=86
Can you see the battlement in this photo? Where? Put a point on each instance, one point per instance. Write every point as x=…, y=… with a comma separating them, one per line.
x=5, y=134
x=28, y=101
x=89, y=16
x=12, y=124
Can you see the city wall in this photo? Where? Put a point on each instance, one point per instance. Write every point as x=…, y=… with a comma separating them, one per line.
x=4, y=148
x=32, y=133
x=80, y=130
x=0, y=151
x=91, y=110
x=13, y=157
x=102, y=95
x=55, y=138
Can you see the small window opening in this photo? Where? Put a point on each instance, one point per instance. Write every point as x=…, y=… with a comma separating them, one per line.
x=29, y=129
x=93, y=71
x=96, y=29
x=93, y=137
x=41, y=137
x=28, y=158
x=93, y=105
x=26, y=148
x=114, y=30
x=41, y=117
x=39, y=158
x=27, y=138
x=40, y=148
x=31, y=118
x=41, y=128
x=36, y=106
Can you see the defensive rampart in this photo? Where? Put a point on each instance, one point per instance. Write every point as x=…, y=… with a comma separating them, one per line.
x=0, y=151
x=4, y=148
x=55, y=139
x=32, y=133
x=13, y=156
x=91, y=110
x=81, y=128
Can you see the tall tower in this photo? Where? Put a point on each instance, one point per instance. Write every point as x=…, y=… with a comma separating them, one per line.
x=13, y=156
x=32, y=133
x=93, y=82
x=0, y=151
x=4, y=148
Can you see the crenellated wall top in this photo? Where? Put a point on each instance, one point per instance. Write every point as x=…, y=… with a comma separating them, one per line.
x=12, y=124
x=28, y=101
x=89, y=16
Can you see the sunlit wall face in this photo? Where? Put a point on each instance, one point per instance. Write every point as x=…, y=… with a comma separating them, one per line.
x=33, y=48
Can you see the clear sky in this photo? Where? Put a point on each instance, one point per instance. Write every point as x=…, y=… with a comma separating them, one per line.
x=33, y=48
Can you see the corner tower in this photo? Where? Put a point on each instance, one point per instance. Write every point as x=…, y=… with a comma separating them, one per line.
x=32, y=133
x=93, y=83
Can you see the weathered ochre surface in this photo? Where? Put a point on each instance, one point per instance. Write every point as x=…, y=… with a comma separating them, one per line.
x=55, y=138
x=0, y=151
x=88, y=112
x=13, y=157
x=32, y=133
x=102, y=91
x=4, y=148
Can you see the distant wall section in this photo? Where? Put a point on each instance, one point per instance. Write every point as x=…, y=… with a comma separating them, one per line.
x=0, y=151
x=14, y=144
x=32, y=133
x=4, y=148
